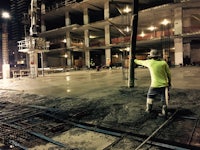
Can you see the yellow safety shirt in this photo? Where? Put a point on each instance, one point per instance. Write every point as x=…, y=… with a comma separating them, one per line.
x=159, y=71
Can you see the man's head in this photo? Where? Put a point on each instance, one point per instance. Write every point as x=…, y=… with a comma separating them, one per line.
x=154, y=54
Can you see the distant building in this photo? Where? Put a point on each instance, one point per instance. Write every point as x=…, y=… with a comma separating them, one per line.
x=19, y=26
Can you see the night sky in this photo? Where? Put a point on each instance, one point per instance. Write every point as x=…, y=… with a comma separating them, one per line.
x=4, y=4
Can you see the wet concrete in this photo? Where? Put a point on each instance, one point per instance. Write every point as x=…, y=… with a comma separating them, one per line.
x=94, y=84
x=79, y=83
x=86, y=87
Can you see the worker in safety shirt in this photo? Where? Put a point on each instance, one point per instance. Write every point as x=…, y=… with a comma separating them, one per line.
x=160, y=79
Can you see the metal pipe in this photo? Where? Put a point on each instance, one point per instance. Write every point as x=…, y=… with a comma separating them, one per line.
x=189, y=141
x=134, y=22
x=170, y=118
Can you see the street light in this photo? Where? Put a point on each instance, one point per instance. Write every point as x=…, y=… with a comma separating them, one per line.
x=5, y=15
x=5, y=54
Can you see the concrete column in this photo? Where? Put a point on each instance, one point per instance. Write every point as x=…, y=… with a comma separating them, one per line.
x=86, y=38
x=107, y=34
x=68, y=45
x=69, y=58
x=33, y=64
x=68, y=40
x=43, y=9
x=106, y=10
x=108, y=57
x=85, y=16
x=87, y=52
x=5, y=52
x=178, y=41
x=67, y=19
x=33, y=58
x=107, y=42
x=43, y=26
x=178, y=25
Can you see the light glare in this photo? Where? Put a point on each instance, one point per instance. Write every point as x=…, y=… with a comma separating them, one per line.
x=142, y=34
x=165, y=22
x=5, y=15
x=127, y=9
x=151, y=28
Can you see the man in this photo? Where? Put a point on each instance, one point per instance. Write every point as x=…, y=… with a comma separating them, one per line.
x=160, y=79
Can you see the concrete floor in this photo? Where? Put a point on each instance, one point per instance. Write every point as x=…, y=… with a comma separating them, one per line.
x=94, y=84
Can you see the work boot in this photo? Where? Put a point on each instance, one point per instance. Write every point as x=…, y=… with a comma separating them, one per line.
x=164, y=111
x=149, y=108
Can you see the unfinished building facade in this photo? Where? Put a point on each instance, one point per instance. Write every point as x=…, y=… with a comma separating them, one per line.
x=92, y=33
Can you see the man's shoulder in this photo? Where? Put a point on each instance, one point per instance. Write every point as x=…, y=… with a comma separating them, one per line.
x=159, y=60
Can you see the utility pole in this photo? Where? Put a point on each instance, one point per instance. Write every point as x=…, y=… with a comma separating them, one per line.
x=134, y=21
x=5, y=51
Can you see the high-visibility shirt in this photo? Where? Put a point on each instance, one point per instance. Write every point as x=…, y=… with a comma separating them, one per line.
x=159, y=71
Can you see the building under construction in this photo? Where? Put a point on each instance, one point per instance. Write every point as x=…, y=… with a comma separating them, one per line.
x=98, y=33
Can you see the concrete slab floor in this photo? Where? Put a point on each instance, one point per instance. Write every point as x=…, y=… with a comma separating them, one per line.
x=90, y=85
x=82, y=83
